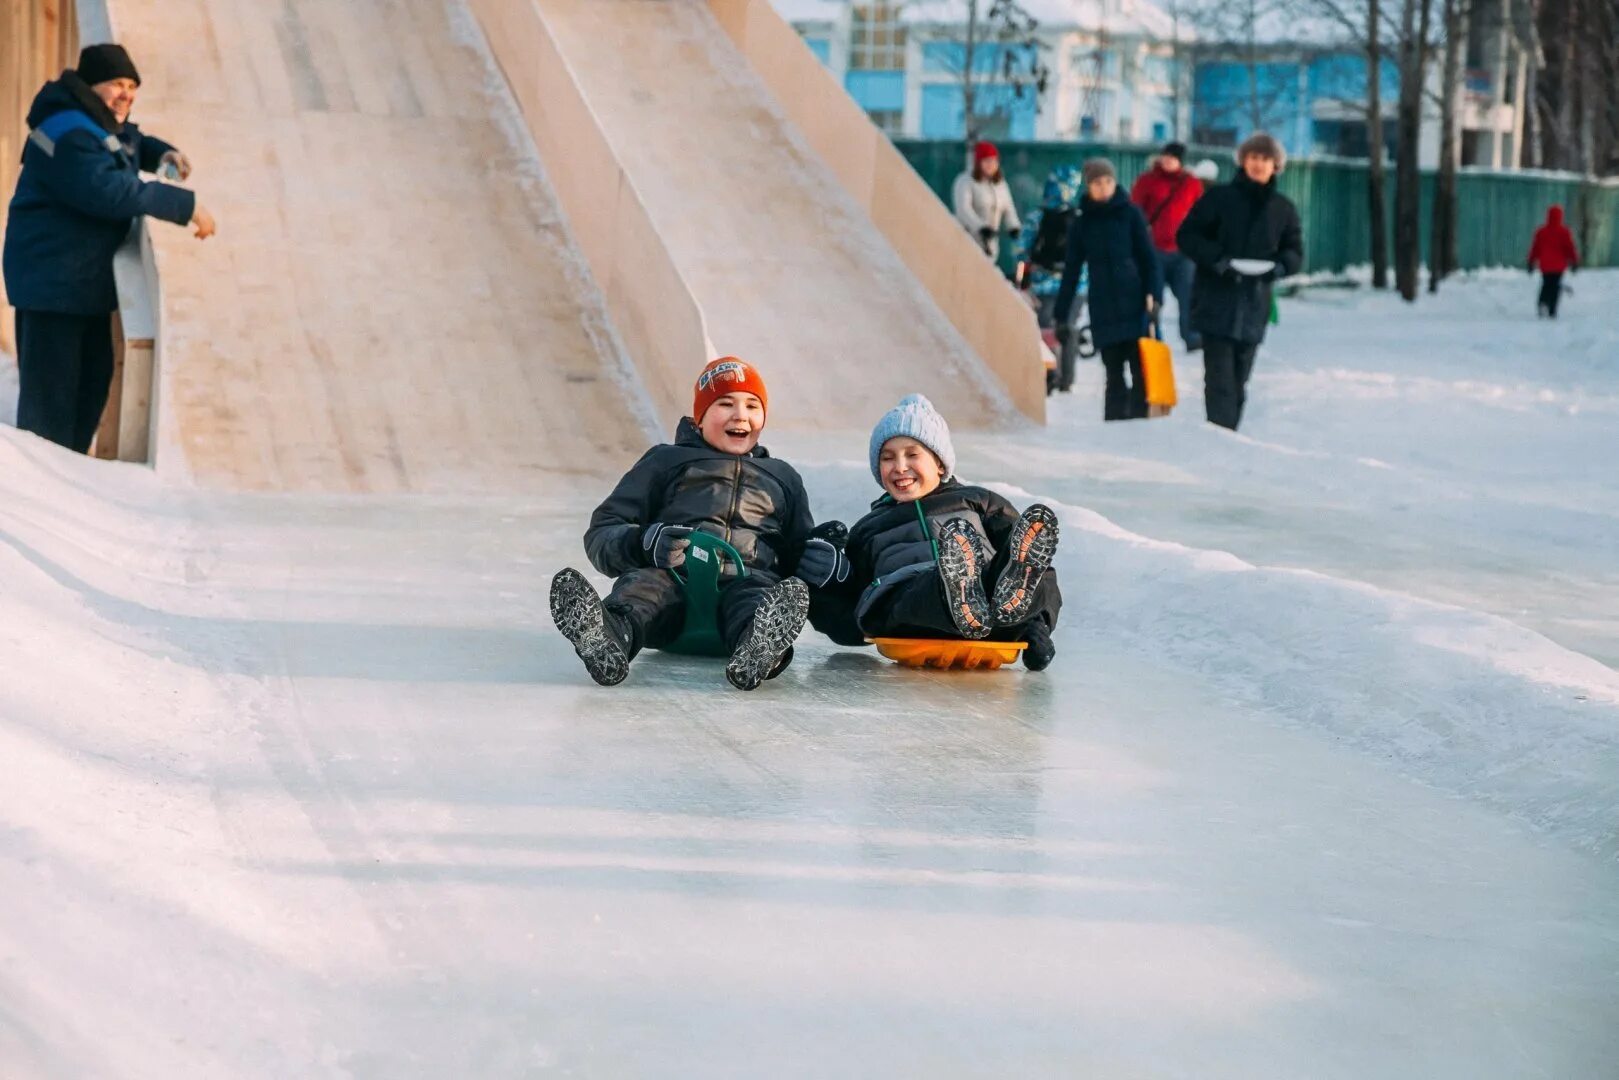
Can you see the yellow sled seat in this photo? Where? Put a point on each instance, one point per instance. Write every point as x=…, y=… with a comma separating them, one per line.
x=947, y=653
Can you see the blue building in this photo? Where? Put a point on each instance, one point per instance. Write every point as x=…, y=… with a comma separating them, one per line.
x=1112, y=69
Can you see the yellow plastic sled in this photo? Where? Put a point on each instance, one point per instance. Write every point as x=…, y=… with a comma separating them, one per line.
x=946, y=653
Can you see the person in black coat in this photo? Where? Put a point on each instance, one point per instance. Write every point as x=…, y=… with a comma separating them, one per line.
x=78, y=193
x=1245, y=219
x=1111, y=239
x=714, y=477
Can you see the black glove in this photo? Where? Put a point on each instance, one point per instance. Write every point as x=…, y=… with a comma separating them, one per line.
x=986, y=233
x=823, y=561
x=1223, y=269
x=1063, y=331
x=665, y=545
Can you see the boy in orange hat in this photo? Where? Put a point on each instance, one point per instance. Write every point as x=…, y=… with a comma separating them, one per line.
x=715, y=477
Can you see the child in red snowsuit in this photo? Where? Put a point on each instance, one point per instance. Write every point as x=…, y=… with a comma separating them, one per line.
x=1553, y=253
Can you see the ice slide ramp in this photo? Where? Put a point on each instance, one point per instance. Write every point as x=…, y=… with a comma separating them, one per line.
x=767, y=208
x=391, y=303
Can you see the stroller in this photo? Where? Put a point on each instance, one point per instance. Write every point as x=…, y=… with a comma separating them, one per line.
x=1041, y=248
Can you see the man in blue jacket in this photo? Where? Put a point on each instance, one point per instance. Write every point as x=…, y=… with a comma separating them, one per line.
x=79, y=191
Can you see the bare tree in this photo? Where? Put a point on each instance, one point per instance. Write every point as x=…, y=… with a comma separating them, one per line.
x=999, y=39
x=1416, y=21
x=1576, y=115
x=1443, y=256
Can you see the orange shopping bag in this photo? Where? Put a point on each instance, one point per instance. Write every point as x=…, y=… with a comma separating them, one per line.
x=1158, y=371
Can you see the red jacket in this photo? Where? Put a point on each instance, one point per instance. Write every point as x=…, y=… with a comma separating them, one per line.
x=1165, y=199
x=1553, y=250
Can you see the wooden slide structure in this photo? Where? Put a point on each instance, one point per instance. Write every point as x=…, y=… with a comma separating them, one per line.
x=403, y=296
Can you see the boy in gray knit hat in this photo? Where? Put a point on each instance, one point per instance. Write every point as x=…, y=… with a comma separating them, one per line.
x=939, y=558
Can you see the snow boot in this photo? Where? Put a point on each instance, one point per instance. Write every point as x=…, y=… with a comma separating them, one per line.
x=595, y=633
x=961, y=570
x=1041, y=651
x=769, y=638
x=1034, y=544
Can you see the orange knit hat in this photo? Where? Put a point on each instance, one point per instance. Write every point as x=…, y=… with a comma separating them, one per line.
x=727, y=375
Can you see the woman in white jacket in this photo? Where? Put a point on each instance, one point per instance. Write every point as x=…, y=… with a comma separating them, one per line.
x=983, y=202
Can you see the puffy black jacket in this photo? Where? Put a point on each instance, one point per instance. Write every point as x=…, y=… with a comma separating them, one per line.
x=896, y=541
x=1111, y=239
x=79, y=189
x=757, y=503
x=1239, y=220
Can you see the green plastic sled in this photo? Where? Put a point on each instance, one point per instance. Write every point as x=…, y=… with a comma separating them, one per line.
x=701, y=635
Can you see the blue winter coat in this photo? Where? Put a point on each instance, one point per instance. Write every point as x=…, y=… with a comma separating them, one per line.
x=1112, y=240
x=79, y=190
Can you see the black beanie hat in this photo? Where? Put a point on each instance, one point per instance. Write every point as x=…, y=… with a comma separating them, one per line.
x=1176, y=150
x=103, y=63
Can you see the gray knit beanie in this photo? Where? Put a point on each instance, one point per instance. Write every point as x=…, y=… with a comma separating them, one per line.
x=1265, y=146
x=1098, y=167
x=916, y=418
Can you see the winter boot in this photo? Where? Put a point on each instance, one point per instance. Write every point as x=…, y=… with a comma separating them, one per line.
x=770, y=635
x=1041, y=652
x=597, y=635
x=961, y=570
x=1034, y=543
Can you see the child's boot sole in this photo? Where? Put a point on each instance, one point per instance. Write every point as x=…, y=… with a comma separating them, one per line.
x=776, y=625
x=579, y=615
x=961, y=567
x=1034, y=545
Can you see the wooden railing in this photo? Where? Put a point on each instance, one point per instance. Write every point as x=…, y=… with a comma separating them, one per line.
x=125, y=433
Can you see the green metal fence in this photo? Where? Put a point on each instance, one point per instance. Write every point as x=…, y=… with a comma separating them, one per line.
x=1498, y=214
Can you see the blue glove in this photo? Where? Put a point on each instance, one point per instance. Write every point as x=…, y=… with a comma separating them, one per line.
x=823, y=561
x=665, y=545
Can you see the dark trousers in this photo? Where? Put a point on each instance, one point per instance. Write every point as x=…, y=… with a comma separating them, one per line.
x=1178, y=274
x=64, y=365
x=917, y=609
x=1551, y=291
x=1124, y=401
x=652, y=604
x=1226, y=367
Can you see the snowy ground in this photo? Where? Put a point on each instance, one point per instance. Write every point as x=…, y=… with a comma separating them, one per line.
x=1323, y=783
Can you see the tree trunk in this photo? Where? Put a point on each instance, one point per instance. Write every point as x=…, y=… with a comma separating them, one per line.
x=1415, y=22
x=1442, y=249
x=1375, y=182
x=969, y=88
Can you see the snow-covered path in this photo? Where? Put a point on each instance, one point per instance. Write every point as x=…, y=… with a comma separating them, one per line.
x=302, y=786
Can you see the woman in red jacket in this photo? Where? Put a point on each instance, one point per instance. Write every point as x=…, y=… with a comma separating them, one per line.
x=1553, y=253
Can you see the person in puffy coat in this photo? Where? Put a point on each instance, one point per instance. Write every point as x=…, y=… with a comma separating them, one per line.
x=1553, y=253
x=983, y=201
x=1247, y=219
x=936, y=557
x=1165, y=194
x=715, y=477
x=79, y=191
x=1109, y=239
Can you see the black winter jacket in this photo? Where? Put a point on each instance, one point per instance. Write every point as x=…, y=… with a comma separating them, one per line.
x=1111, y=239
x=896, y=542
x=1239, y=220
x=79, y=190
x=755, y=502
